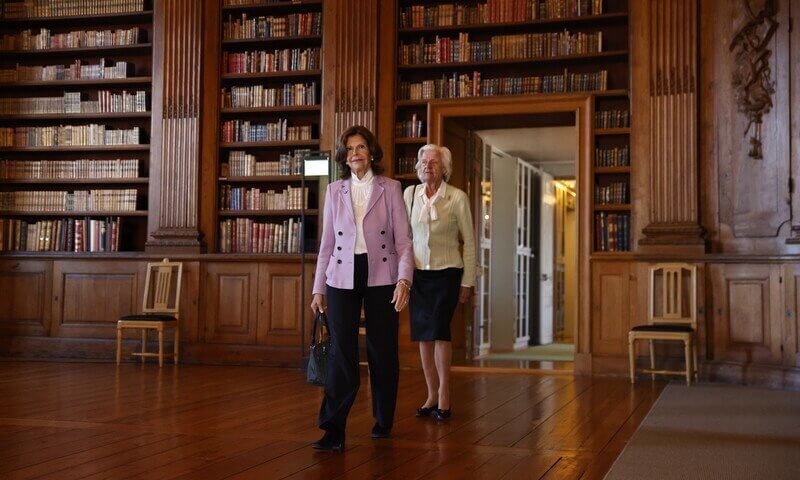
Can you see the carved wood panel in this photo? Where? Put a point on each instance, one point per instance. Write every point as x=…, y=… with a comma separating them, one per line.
x=90, y=296
x=610, y=307
x=791, y=310
x=24, y=302
x=230, y=303
x=279, y=308
x=747, y=320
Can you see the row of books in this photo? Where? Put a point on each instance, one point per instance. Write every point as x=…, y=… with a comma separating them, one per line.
x=243, y=164
x=243, y=235
x=68, y=8
x=612, y=232
x=69, y=169
x=70, y=102
x=612, y=157
x=247, y=131
x=279, y=60
x=68, y=135
x=409, y=128
x=614, y=193
x=252, y=96
x=78, y=201
x=63, y=235
x=292, y=25
x=245, y=198
x=47, y=40
x=612, y=119
x=75, y=71
x=500, y=47
x=465, y=85
x=495, y=11
x=406, y=165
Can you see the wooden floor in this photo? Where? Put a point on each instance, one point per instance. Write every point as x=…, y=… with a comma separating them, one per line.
x=92, y=421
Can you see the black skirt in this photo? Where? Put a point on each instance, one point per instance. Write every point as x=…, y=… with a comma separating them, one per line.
x=434, y=296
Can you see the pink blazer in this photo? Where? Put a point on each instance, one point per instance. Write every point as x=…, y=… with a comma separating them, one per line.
x=386, y=231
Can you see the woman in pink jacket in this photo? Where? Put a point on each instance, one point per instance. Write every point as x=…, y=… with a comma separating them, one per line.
x=365, y=258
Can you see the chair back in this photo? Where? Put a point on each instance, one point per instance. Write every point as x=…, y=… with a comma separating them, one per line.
x=675, y=302
x=162, y=287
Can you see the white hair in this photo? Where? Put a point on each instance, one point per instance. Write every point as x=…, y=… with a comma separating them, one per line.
x=444, y=155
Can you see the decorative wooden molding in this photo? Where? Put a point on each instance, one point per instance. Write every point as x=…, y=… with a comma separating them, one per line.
x=752, y=75
x=175, y=165
x=672, y=108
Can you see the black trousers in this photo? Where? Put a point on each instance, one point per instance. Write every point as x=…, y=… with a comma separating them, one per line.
x=344, y=310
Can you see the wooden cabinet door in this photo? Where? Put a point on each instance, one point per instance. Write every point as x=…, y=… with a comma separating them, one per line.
x=747, y=320
x=231, y=300
x=611, y=307
x=791, y=310
x=25, y=297
x=279, y=304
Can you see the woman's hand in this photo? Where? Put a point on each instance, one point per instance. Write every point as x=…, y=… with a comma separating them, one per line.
x=318, y=303
x=402, y=292
x=464, y=294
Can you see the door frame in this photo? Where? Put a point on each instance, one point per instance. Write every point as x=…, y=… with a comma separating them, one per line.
x=583, y=106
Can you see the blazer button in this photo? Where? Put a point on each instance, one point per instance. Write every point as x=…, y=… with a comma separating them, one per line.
x=383, y=232
x=384, y=259
x=338, y=248
x=338, y=261
x=383, y=246
x=340, y=234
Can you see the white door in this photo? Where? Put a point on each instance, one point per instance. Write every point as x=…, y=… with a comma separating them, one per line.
x=483, y=282
x=526, y=175
x=546, y=239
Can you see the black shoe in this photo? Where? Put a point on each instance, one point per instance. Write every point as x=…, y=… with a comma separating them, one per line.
x=380, y=432
x=426, y=411
x=441, y=415
x=329, y=443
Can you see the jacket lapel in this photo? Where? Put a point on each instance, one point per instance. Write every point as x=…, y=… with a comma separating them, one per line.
x=344, y=195
x=375, y=194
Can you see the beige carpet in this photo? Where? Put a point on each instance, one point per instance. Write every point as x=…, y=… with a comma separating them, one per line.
x=715, y=432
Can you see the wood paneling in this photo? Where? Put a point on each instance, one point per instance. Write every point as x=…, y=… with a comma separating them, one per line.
x=89, y=297
x=665, y=119
x=791, y=310
x=24, y=297
x=747, y=320
x=175, y=165
x=279, y=308
x=610, y=307
x=231, y=302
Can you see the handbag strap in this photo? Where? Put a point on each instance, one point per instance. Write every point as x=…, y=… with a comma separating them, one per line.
x=320, y=320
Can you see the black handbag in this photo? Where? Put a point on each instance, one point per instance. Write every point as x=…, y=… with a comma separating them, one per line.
x=318, y=352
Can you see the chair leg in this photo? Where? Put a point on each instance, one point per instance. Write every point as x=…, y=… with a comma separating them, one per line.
x=687, y=347
x=160, y=346
x=144, y=343
x=652, y=359
x=119, y=344
x=631, y=358
x=694, y=363
x=177, y=344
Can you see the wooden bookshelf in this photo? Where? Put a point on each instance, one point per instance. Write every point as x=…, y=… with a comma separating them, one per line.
x=307, y=112
x=139, y=56
x=613, y=58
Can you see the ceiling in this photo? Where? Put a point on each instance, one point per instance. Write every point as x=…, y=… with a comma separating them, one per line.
x=555, y=149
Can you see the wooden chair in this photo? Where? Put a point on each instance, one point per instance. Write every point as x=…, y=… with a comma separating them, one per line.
x=676, y=321
x=162, y=293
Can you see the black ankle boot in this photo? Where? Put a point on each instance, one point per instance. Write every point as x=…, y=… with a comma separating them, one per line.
x=329, y=442
x=380, y=432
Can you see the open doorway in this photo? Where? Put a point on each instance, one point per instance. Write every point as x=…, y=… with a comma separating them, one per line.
x=528, y=189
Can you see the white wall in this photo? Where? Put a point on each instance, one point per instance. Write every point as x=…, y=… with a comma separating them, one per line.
x=504, y=180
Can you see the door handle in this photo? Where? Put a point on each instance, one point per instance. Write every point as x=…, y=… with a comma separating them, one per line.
x=545, y=277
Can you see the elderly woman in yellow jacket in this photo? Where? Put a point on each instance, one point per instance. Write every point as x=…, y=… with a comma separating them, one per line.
x=444, y=274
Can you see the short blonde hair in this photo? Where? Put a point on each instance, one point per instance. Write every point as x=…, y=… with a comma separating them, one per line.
x=444, y=155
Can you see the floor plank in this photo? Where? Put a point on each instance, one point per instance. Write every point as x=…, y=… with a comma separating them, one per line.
x=99, y=421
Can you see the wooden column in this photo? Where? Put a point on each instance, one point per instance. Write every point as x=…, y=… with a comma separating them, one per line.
x=177, y=93
x=351, y=59
x=665, y=116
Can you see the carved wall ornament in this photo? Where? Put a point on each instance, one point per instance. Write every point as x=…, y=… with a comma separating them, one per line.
x=752, y=75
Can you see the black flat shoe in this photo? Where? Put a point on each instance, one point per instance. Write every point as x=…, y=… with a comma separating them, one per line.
x=380, y=432
x=426, y=411
x=441, y=415
x=329, y=443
